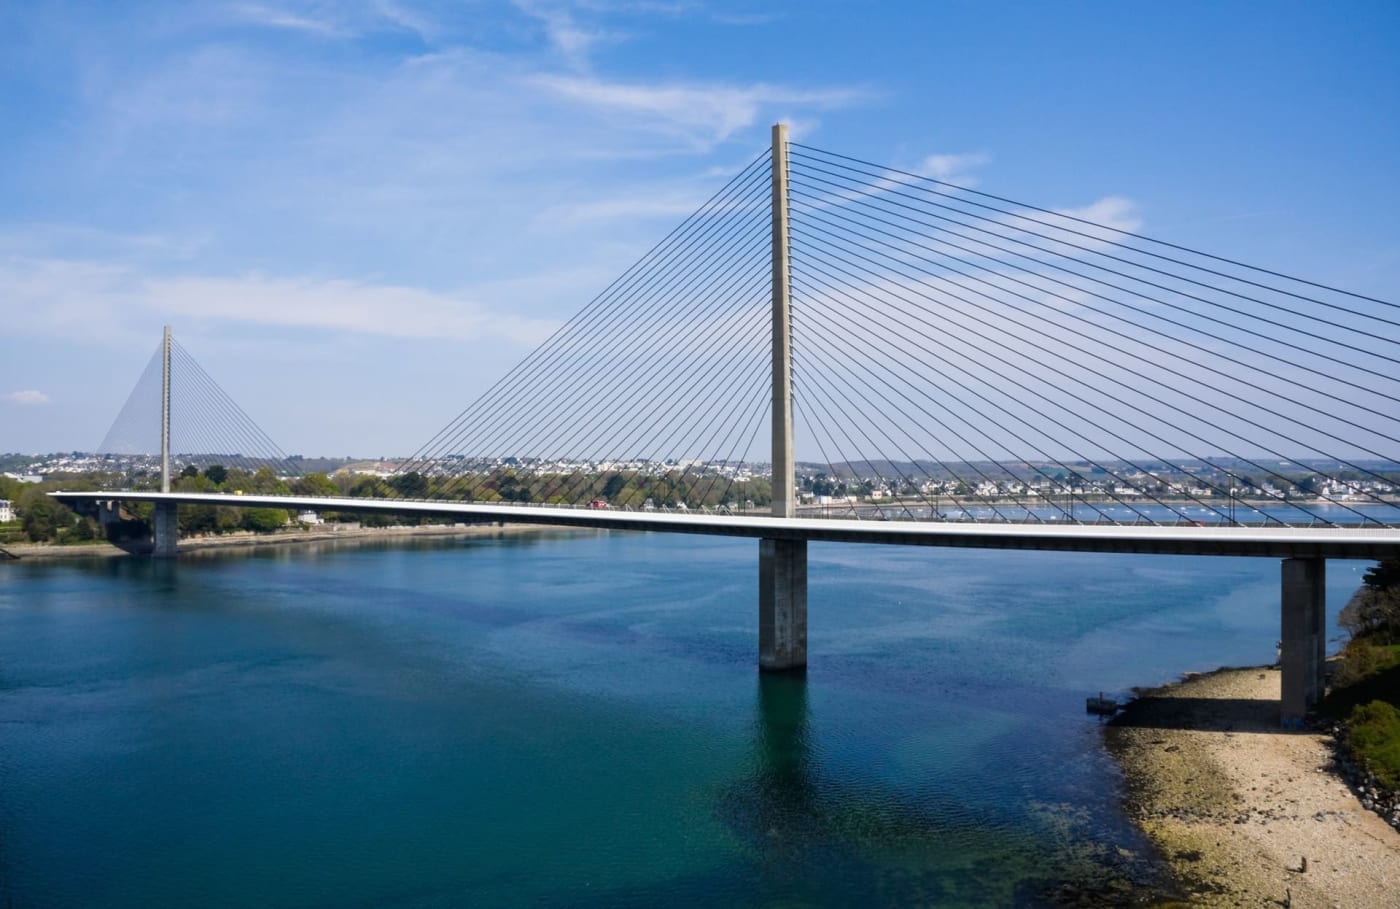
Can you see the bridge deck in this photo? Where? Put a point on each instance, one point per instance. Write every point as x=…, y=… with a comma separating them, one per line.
x=1275, y=542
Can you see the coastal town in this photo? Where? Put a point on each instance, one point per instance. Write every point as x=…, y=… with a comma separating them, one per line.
x=1222, y=478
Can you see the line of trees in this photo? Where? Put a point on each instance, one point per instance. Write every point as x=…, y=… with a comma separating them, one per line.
x=617, y=488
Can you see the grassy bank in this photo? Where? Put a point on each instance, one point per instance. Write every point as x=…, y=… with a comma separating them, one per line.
x=1365, y=695
x=1365, y=700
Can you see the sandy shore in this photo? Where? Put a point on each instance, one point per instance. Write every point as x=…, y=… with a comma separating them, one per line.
x=1237, y=804
x=40, y=551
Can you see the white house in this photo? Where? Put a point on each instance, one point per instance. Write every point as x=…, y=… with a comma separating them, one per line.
x=7, y=513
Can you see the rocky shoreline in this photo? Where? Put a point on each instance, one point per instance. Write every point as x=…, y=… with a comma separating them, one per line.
x=1247, y=813
x=342, y=534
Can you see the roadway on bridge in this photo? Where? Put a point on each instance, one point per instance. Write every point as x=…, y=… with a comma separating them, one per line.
x=1334, y=542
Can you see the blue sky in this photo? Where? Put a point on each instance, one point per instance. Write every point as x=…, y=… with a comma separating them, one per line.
x=356, y=215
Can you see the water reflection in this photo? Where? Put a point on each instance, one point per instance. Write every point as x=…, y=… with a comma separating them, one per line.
x=817, y=837
x=784, y=788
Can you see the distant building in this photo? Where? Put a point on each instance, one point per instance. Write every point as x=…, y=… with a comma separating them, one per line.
x=309, y=517
x=7, y=513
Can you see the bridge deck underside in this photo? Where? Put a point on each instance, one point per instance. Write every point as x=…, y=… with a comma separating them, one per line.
x=1273, y=542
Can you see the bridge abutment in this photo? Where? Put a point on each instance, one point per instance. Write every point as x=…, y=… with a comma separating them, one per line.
x=165, y=529
x=782, y=605
x=1302, y=656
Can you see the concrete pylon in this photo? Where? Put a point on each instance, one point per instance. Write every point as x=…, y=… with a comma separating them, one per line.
x=165, y=529
x=782, y=564
x=165, y=411
x=1303, y=651
x=782, y=605
x=784, y=494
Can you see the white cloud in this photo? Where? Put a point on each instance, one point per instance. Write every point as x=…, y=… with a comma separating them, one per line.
x=709, y=113
x=644, y=205
x=274, y=17
x=95, y=299
x=953, y=168
x=27, y=397
x=1115, y=212
x=339, y=305
x=571, y=39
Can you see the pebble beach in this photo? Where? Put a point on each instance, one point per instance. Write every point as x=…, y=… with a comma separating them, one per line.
x=1245, y=812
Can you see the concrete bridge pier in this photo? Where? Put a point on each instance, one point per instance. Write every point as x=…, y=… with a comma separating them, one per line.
x=1304, y=636
x=165, y=530
x=108, y=512
x=782, y=605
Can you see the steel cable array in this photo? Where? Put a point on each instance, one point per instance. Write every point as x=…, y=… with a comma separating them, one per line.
x=207, y=426
x=660, y=379
x=955, y=354
x=1023, y=353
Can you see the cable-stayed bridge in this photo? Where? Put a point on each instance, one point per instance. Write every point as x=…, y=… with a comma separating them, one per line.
x=833, y=350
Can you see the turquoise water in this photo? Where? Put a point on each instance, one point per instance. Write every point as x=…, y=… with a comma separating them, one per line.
x=577, y=720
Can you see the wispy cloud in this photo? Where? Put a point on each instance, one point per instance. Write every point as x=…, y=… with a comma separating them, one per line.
x=269, y=16
x=954, y=168
x=28, y=397
x=708, y=112
x=1113, y=212
x=644, y=205
x=572, y=39
x=95, y=298
x=335, y=21
x=340, y=305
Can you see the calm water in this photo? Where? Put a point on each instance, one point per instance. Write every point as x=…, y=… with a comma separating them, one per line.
x=577, y=720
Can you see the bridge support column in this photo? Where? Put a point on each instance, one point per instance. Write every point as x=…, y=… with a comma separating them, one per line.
x=165, y=529
x=782, y=605
x=1304, y=635
x=108, y=513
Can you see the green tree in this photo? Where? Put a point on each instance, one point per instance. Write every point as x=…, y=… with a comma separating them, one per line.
x=217, y=474
x=613, y=486
x=369, y=488
x=267, y=483
x=1384, y=575
x=1374, y=611
x=1373, y=735
x=264, y=520
x=40, y=516
x=81, y=531
x=412, y=485
x=315, y=484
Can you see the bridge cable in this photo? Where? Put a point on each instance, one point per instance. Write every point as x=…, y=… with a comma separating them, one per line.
x=555, y=366
x=602, y=388
x=853, y=325
x=858, y=228
x=1162, y=243
x=274, y=458
x=983, y=350
x=823, y=385
x=847, y=231
x=601, y=304
x=191, y=408
x=1044, y=453
x=885, y=192
x=1323, y=356
x=130, y=416
x=558, y=358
